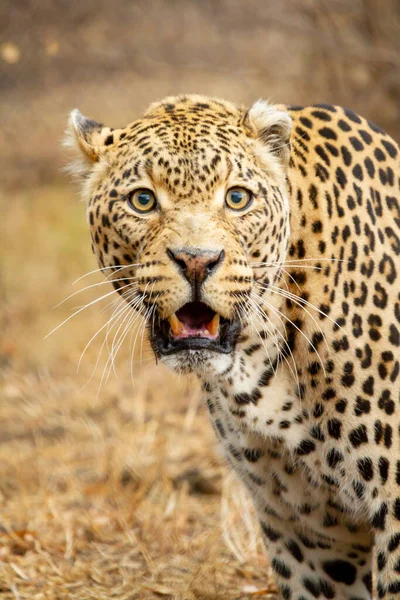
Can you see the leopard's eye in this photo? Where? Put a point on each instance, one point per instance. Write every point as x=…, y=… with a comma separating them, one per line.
x=238, y=198
x=142, y=201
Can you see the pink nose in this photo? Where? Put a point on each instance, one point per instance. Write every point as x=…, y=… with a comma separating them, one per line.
x=196, y=264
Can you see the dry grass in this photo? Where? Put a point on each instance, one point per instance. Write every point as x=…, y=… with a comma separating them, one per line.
x=120, y=493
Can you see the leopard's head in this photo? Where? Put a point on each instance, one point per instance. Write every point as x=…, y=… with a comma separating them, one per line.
x=184, y=205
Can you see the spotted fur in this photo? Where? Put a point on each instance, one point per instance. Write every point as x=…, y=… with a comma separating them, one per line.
x=307, y=406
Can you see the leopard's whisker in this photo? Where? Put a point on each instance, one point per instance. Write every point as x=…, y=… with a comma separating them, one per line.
x=127, y=301
x=132, y=344
x=102, y=269
x=137, y=334
x=146, y=318
x=110, y=360
x=131, y=322
x=286, y=343
x=118, y=311
x=300, y=301
x=295, y=261
x=134, y=306
x=119, y=336
x=93, y=285
x=266, y=321
x=283, y=294
x=240, y=309
x=317, y=258
x=83, y=308
x=121, y=298
x=261, y=266
x=118, y=308
x=145, y=322
x=115, y=346
x=118, y=300
x=144, y=325
x=276, y=310
x=254, y=328
x=291, y=278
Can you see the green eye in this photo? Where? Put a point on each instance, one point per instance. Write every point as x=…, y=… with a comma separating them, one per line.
x=142, y=201
x=238, y=198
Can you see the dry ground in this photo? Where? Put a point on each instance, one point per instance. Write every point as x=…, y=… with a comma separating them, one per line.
x=118, y=493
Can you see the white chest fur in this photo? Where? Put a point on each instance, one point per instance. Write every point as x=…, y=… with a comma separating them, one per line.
x=264, y=427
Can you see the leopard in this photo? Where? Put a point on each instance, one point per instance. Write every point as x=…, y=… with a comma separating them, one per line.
x=261, y=246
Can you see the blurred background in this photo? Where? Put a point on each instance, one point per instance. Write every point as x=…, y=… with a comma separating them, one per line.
x=111, y=59
x=111, y=478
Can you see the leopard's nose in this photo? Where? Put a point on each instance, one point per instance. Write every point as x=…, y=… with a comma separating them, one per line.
x=196, y=264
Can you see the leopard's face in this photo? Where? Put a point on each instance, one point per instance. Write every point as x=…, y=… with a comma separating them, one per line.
x=186, y=204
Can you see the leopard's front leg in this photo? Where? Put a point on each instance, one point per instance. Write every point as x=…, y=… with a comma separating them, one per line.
x=307, y=566
x=386, y=521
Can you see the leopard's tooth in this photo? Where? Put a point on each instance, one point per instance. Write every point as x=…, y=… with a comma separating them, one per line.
x=213, y=325
x=176, y=325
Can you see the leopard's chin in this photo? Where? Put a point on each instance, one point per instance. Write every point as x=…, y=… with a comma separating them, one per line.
x=203, y=363
x=194, y=333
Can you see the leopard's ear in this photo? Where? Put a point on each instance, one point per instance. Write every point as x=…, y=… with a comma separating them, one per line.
x=88, y=139
x=272, y=126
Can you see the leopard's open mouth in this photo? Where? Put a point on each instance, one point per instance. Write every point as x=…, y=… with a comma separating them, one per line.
x=195, y=326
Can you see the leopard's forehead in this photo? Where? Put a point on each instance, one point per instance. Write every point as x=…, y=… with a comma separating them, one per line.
x=193, y=107
x=187, y=144
x=195, y=137
x=188, y=128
